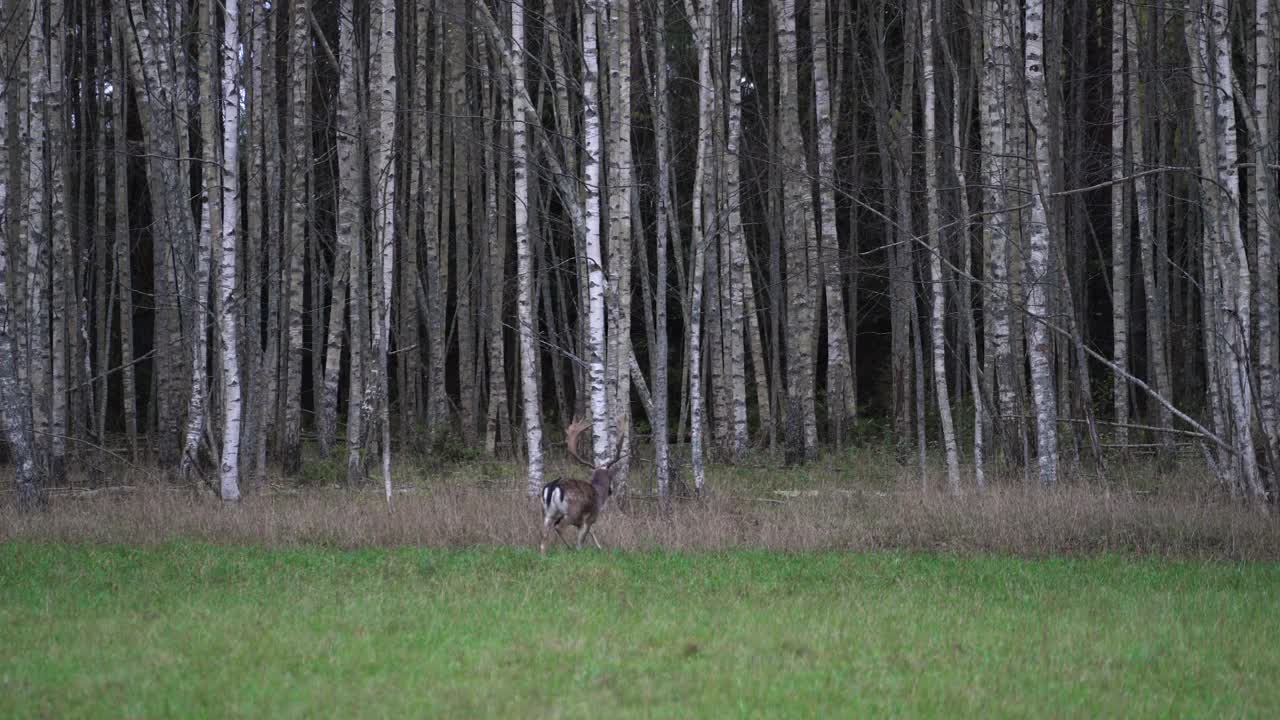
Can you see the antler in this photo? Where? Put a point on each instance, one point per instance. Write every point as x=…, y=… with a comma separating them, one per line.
x=571, y=434
x=623, y=427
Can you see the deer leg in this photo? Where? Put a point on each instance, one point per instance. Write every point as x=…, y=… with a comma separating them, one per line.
x=582, y=533
x=595, y=539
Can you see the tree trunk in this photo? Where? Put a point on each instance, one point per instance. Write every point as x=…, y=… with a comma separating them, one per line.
x=1039, y=341
x=801, y=443
x=15, y=397
x=1264, y=203
x=660, y=359
x=591, y=166
x=123, y=257
x=437, y=256
x=229, y=472
x=621, y=180
x=841, y=399
x=60, y=259
x=1119, y=224
x=1156, y=353
x=525, y=304
x=210, y=218
x=382, y=109
x=459, y=110
x=1000, y=222
x=348, y=224
x=299, y=146
x=937, y=327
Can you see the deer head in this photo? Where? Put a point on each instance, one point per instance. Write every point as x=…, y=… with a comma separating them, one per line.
x=574, y=431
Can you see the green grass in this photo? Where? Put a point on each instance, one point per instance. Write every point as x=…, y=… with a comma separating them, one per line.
x=196, y=630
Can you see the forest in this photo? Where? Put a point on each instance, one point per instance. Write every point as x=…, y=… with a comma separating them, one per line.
x=1035, y=236
x=887, y=358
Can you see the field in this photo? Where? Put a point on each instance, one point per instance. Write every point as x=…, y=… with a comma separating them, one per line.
x=199, y=630
x=828, y=599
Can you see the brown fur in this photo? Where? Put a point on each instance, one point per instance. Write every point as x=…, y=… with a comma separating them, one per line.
x=583, y=500
x=574, y=500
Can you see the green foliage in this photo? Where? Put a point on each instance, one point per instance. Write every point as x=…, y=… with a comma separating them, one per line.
x=321, y=471
x=449, y=447
x=195, y=630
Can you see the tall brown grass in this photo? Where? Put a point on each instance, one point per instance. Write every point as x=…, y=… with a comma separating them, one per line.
x=897, y=515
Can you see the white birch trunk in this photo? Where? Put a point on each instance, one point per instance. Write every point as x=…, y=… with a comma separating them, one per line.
x=382, y=102
x=1039, y=341
x=1000, y=223
x=37, y=239
x=61, y=257
x=348, y=225
x=662, y=139
x=801, y=443
x=123, y=269
x=960, y=140
x=525, y=307
x=621, y=181
x=841, y=398
x=591, y=166
x=701, y=21
x=734, y=254
x=437, y=257
x=1264, y=204
x=210, y=217
x=1237, y=283
x=229, y=472
x=1119, y=225
x=15, y=398
x=933, y=202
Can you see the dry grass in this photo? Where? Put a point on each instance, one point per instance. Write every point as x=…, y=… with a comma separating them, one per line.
x=860, y=515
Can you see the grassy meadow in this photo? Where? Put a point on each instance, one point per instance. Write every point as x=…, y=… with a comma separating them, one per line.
x=839, y=590
x=196, y=630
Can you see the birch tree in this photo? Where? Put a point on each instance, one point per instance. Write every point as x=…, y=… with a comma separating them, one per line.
x=1209, y=45
x=299, y=148
x=58, y=256
x=348, y=221
x=229, y=333
x=1156, y=352
x=123, y=258
x=525, y=300
x=701, y=21
x=938, y=319
x=36, y=241
x=801, y=441
x=591, y=173
x=1038, y=338
x=1000, y=222
x=1264, y=205
x=841, y=393
x=662, y=139
x=15, y=398
x=1119, y=223
x=620, y=186
x=382, y=109
x=210, y=218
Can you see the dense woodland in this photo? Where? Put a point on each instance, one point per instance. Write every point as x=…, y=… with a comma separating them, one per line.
x=1036, y=234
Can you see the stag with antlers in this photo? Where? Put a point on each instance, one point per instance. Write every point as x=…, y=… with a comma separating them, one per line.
x=577, y=502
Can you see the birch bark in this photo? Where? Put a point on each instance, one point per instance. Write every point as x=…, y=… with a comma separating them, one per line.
x=933, y=202
x=1039, y=341
x=229, y=472
x=1119, y=224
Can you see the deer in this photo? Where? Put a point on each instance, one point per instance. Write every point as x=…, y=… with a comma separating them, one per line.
x=577, y=502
